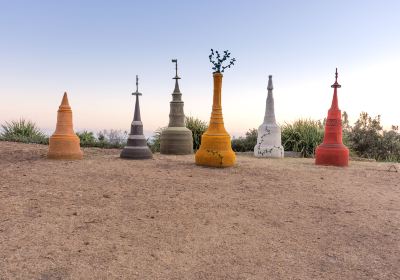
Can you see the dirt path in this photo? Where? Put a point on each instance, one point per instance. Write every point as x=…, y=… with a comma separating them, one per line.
x=107, y=218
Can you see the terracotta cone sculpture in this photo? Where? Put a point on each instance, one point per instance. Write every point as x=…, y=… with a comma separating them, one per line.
x=176, y=139
x=215, y=148
x=269, y=133
x=332, y=151
x=136, y=147
x=64, y=144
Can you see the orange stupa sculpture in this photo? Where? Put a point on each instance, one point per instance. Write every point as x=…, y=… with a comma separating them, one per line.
x=332, y=151
x=64, y=144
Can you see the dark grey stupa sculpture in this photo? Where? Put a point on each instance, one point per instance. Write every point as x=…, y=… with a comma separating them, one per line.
x=176, y=139
x=136, y=148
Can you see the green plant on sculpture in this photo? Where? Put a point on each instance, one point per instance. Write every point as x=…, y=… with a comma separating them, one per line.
x=217, y=60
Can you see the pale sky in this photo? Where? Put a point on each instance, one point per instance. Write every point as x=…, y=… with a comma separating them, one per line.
x=94, y=49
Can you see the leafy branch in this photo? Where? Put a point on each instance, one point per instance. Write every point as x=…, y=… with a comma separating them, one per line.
x=217, y=60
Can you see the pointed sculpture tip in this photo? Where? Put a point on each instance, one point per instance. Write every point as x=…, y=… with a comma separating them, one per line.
x=137, y=93
x=270, y=86
x=336, y=75
x=64, y=101
x=336, y=84
x=176, y=68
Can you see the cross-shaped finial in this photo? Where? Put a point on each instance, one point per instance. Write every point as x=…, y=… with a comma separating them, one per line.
x=176, y=68
x=137, y=87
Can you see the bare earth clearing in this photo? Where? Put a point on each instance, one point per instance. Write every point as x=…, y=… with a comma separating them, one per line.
x=166, y=218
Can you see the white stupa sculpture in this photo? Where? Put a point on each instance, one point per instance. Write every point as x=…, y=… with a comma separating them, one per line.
x=269, y=133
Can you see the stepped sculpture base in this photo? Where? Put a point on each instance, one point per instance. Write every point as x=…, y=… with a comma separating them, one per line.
x=176, y=141
x=136, y=147
x=332, y=154
x=64, y=147
x=215, y=151
x=136, y=152
x=269, y=142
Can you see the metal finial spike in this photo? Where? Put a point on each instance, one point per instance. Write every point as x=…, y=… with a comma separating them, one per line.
x=137, y=87
x=270, y=86
x=336, y=75
x=176, y=68
x=336, y=84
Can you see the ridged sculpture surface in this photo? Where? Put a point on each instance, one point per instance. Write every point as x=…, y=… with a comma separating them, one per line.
x=136, y=147
x=332, y=151
x=215, y=148
x=269, y=133
x=64, y=144
x=176, y=139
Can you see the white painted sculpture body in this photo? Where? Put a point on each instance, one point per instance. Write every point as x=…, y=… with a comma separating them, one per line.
x=269, y=133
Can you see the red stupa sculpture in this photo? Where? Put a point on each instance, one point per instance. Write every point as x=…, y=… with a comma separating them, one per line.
x=332, y=151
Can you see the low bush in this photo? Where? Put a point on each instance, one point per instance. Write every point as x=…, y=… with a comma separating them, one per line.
x=22, y=131
x=112, y=138
x=247, y=143
x=105, y=139
x=303, y=136
x=87, y=138
x=198, y=127
x=368, y=139
x=155, y=142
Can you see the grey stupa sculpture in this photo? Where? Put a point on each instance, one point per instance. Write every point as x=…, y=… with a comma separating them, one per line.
x=136, y=148
x=176, y=139
x=269, y=133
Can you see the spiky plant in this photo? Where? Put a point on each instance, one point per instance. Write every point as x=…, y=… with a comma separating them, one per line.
x=217, y=61
x=302, y=136
x=198, y=127
x=154, y=142
x=86, y=138
x=22, y=131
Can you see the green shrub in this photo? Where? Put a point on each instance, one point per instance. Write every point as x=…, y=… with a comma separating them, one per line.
x=198, y=127
x=247, y=143
x=390, y=145
x=303, y=136
x=368, y=139
x=107, y=139
x=23, y=131
x=112, y=138
x=155, y=142
x=365, y=136
x=86, y=138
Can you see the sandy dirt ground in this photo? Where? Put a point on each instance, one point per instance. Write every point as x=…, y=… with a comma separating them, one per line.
x=166, y=218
